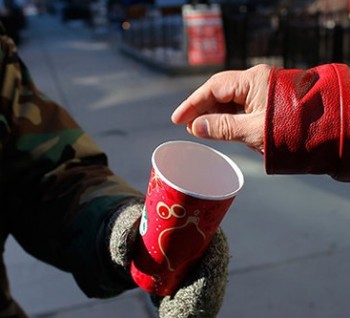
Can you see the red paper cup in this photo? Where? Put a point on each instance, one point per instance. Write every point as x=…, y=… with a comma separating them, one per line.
x=191, y=187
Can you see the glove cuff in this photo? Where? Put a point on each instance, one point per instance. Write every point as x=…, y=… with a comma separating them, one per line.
x=123, y=230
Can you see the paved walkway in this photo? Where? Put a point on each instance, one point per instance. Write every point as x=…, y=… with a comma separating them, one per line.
x=289, y=235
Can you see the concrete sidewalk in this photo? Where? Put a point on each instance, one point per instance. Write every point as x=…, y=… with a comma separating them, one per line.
x=289, y=235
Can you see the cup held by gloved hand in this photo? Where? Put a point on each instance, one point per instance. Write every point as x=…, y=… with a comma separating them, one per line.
x=191, y=188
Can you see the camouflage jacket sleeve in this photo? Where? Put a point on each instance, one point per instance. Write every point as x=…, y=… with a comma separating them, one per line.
x=57, y=190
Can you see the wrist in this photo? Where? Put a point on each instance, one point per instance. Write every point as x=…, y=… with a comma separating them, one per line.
x=122, y=231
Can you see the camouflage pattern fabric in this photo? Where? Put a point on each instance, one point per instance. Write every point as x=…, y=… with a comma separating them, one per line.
x=56, y=190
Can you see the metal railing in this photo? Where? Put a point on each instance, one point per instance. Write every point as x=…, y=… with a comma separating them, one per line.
x=292, y=40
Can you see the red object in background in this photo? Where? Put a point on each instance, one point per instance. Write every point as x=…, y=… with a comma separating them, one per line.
x=205, y=35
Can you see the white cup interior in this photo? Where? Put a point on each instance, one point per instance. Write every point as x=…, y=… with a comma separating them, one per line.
x=197, y=170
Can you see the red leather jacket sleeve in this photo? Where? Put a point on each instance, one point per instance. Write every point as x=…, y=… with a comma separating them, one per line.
x=307, y=129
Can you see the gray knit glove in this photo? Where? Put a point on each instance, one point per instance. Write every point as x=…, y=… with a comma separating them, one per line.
x=202, y=294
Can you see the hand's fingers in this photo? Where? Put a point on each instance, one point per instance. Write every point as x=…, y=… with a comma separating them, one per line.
x=246, y=128
x=245, y=88
x=222, y=88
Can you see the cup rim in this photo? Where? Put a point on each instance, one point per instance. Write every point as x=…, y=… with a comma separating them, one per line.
x=235, y=167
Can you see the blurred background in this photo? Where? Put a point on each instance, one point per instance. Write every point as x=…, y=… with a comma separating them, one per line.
x=120, y=68
x=288, y=32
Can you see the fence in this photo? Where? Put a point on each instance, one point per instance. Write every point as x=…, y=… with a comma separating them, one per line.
x=156, y=37
x=292, y=40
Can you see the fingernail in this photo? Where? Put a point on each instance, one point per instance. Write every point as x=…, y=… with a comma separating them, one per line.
x=174, y=118
x=202, y=128
x=189, y=129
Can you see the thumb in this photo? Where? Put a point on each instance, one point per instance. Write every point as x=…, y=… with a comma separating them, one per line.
x=246, y=128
